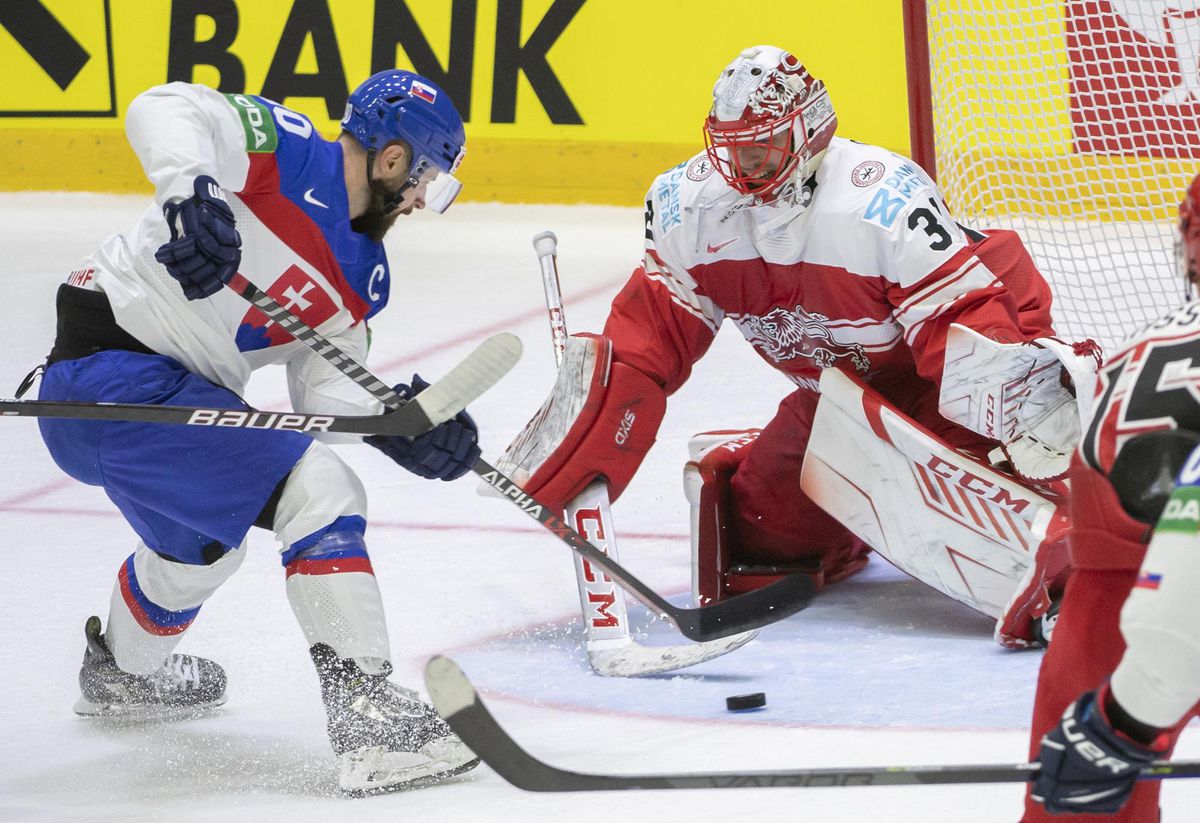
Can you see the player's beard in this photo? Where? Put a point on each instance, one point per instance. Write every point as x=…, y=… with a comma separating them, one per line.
x=373, y=222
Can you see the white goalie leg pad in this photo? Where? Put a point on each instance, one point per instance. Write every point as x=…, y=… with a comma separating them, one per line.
x=330, y=583
x=946, y=519
x=565, y=415
x=1014, y=393
x=153, y=603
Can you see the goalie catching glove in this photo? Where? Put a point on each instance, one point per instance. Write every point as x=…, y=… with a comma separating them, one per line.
x=599, y=422
x=1034, y=398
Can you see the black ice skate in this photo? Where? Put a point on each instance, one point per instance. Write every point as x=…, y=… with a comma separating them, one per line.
x=385, y=737
x=184, y=685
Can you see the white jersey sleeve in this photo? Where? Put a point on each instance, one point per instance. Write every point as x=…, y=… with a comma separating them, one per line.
x=1158, y=679
x=180, y=131
x=316, y=387
x=672, y=236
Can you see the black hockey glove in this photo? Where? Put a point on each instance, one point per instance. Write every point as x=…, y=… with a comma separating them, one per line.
x=205, y=248
x=1088, y=767
x=446, y=452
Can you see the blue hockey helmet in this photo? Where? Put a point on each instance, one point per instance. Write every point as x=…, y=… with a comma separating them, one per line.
x=400, y=105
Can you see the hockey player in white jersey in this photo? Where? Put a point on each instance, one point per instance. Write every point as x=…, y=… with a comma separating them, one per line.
x=245, y=185
x=828, y=255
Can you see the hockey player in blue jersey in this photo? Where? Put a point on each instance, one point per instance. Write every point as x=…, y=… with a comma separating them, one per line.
x=245, y=185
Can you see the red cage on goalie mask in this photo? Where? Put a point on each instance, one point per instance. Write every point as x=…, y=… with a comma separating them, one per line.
x=770, y=118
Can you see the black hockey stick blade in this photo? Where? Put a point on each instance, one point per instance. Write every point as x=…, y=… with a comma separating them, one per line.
x=469, y=378
x=457, y=701
x=752, y=610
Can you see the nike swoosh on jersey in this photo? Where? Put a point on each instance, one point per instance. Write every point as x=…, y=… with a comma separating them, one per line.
x=714, y=249
x=308, y=196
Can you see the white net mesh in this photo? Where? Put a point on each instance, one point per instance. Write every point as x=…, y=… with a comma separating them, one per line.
x=1078, y=125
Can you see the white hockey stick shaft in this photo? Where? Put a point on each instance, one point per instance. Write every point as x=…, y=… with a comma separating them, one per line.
x=605, y=616
x=610, y=648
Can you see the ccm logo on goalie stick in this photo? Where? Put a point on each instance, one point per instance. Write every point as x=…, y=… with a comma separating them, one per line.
x=260, y=420
x=601, y=592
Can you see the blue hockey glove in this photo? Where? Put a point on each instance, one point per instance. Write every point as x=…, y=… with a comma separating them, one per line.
x=205, y=248
x=446, y=452
x=1088, y=767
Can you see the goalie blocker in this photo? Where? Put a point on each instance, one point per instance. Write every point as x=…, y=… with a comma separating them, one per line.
x=599, y=422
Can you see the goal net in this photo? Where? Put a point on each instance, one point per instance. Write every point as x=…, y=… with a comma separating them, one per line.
x=1075, y=123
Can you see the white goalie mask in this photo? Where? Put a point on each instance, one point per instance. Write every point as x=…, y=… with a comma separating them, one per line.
x=770, y=123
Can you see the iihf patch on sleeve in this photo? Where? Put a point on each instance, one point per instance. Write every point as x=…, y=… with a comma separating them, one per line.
x=867, y=173
x=701, y=169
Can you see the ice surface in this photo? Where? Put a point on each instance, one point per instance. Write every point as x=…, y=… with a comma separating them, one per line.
x=879, y=671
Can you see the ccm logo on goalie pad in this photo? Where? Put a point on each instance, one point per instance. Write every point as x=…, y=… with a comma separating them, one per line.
x=976, y=485
x=260, y=420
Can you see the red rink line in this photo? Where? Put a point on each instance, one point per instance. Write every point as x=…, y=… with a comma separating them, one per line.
x=388, y=525
x=13, y=503
x=480, y=333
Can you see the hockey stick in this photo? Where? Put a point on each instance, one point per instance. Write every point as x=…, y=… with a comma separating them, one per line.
x=470, y=378
x=611, y=651
x=460, y=705
x=747, y=611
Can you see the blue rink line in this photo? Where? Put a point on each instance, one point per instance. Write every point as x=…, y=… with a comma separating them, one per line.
x=878, y=651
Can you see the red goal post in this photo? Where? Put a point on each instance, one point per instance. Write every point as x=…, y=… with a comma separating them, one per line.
x=1075, y=123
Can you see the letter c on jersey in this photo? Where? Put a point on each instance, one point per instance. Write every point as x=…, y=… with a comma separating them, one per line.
x=377, y=275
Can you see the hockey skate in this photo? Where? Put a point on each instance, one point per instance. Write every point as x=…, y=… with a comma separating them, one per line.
x=185, y=684
x=385, y=737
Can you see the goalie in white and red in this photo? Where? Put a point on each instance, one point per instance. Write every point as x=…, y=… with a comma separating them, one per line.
x=825, y=253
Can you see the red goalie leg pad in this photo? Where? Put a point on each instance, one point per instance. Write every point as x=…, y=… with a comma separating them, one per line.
x=730, y=556
x=715, y=457
x=610, y=444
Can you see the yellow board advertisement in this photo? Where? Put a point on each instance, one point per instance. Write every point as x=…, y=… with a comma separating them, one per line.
x=565, y=100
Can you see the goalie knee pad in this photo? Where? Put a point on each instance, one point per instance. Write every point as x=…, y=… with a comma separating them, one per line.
x=154, y=602
x=732, y=555
x=715, y=456
x=599, y=421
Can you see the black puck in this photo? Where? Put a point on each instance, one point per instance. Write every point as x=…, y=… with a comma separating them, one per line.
x=745, y=702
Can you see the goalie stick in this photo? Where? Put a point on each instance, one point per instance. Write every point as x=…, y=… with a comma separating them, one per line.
x=728, y=617
x=460, y=705
x=470, y=378
x=611, y=651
